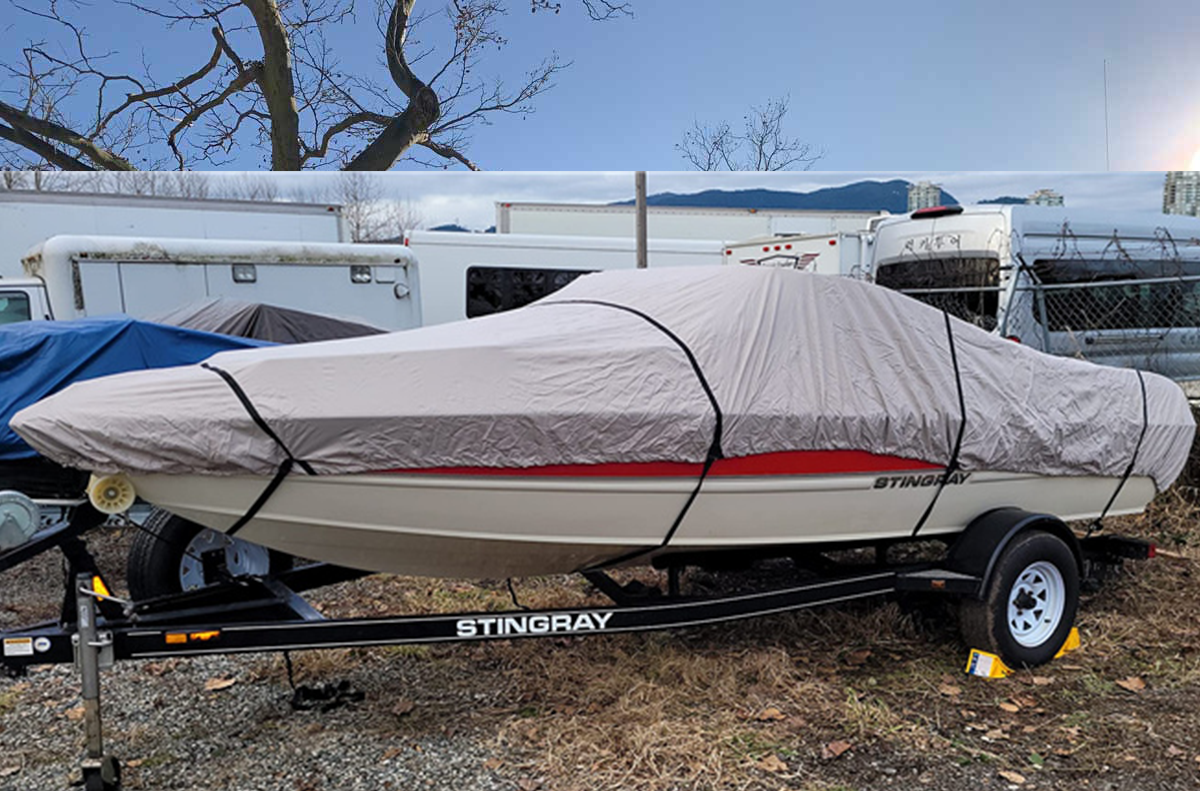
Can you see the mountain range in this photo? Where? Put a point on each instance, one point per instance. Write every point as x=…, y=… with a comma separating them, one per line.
x=889, y=196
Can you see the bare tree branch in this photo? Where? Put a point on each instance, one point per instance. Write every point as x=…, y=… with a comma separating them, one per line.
x=762, y=144
x=37, y=126
x=343, y=125
x=175, y=87
x=599, y=10
x=238, y=84
x=43, y=149
x=449, y=152
x=270, y=79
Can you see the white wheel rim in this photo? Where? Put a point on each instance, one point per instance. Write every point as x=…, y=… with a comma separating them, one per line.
x=1036, y=604
x=241, y=558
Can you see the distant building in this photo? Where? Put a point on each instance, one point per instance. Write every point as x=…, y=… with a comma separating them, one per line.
x=1181, y=193
x=923, y=195
x=1045, y=198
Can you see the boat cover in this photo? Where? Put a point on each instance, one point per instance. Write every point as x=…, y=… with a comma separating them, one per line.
x=616, y=367
x=38, y=358
x=264, y=322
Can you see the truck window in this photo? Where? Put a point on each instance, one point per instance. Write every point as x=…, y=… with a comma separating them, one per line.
x=968, y=288
x=1082, y=295
x=494, y=289
x=14, y=306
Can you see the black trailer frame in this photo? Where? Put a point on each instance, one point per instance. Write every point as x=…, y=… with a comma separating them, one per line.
x=244, y=615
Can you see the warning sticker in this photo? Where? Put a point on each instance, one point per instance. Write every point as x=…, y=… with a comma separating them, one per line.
x=18, y=646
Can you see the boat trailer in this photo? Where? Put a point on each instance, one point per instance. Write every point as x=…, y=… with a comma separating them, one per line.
x=262, y=614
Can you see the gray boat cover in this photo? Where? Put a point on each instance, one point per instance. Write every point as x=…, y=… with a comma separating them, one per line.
x=602, y=371
x=263, y=322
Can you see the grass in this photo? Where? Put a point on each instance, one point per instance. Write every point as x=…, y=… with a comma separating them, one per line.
x=9, y=699
x=702, y=708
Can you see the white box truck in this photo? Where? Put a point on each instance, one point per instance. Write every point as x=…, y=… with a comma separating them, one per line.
x=75, y=276
x=464, y=275
x=28, y=217
x=673, y=222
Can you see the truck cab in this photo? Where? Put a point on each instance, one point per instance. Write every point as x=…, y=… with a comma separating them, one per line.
x=23, y=300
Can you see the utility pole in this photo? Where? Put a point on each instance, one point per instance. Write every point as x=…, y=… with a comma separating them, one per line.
x=639, y=181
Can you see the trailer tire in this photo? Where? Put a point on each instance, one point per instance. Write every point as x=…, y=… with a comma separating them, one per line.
x=156, y=564
x=1029, y=602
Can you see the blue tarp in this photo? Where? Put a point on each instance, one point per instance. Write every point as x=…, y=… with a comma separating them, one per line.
x=39, y=358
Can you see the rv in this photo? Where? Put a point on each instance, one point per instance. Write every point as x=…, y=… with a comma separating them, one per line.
x=1116, y=289
x=74, y=276
x=464, y=275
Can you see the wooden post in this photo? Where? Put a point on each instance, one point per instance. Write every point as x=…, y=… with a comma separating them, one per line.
x=640, y=186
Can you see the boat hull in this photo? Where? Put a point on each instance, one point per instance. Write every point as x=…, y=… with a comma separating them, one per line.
x=498, y=525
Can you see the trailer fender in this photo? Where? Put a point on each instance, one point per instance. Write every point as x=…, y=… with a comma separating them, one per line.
x=976, y=549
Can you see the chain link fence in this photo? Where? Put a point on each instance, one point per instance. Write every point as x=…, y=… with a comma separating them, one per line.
x=1149, y=323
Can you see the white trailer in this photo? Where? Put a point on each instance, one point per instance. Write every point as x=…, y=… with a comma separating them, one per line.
x=471, y=274
x=29, y=217
x=845, y=254
x=76, y=276
x=673, y=222
x=1116, y=288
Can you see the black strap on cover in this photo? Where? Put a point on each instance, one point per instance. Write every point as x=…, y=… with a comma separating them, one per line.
x=714, y=449
x=1097, y=523
x=284, y=468
x=952, y=467
x=255, y=416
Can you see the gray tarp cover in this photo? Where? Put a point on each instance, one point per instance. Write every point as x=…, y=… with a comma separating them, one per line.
x=795, y=361
x=263, y=322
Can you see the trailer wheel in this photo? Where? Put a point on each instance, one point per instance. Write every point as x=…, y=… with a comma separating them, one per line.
x=1029, y=604
x=166, y=556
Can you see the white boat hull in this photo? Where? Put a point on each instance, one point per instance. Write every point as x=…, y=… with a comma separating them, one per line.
x=469, y=525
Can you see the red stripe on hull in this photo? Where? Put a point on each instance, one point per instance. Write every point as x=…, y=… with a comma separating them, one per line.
x=796, y=462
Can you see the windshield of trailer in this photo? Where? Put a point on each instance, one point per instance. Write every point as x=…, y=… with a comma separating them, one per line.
x=966, y=287
x=14, y=307
x=1083, y=295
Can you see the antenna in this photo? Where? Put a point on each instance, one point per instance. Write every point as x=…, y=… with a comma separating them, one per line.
x=1106, y=165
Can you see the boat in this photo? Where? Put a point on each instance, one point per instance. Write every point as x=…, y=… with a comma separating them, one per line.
x=628, y=418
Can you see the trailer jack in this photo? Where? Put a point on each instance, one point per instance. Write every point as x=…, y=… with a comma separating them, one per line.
x=93, y=651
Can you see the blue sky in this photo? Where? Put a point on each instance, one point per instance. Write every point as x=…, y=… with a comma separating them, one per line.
x=946, y=87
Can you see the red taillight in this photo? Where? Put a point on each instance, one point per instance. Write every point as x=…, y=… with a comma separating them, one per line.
x=936, y=211
x=767, y=249
x=787, y=247
x=1014, y=338
x=1152, y=550
x=832, y=242
x=728, y=252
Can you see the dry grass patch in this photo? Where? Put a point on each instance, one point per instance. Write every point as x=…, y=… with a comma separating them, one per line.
x=720, y=706
x=760, y=703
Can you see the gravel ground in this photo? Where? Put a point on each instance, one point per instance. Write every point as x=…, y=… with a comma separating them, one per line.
x=171, y=732
x=544, y=715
